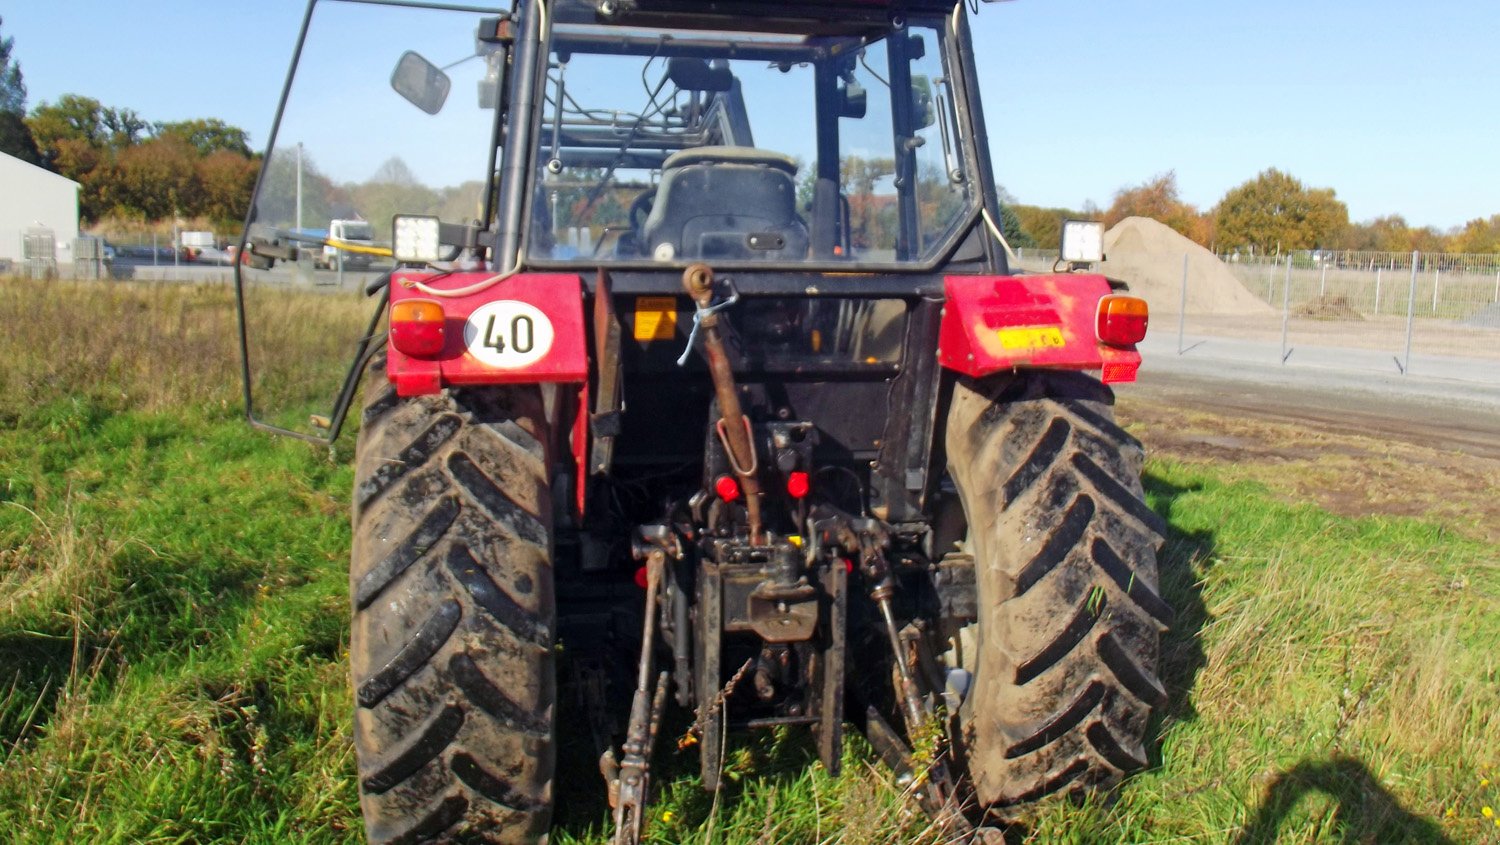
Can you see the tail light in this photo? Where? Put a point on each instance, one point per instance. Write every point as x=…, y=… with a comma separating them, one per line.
x=798, y=485
x=727, y=488
x=1122, y=320
x=417, y=327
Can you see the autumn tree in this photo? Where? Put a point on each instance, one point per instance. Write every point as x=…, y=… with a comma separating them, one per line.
x=81, y=138
x=1158, y=199
x=207, y=136
x=1478, y=236
x=226, y=181
x=15, y=137
x=1044, y=225
x=1275, y=212
x=156, y=179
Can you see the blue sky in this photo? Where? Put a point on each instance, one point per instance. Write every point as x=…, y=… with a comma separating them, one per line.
x=1394, y=105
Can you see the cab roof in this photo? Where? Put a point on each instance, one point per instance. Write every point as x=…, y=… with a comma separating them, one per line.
x=810, y=16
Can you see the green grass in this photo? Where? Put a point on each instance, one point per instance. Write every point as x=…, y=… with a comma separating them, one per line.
x=173, y=623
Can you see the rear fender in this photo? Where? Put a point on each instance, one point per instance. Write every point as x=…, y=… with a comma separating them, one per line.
x=527, y=329
x=992, y=324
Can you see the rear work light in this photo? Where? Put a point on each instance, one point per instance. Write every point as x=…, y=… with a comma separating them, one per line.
x=1122, y=320
x=417, y=328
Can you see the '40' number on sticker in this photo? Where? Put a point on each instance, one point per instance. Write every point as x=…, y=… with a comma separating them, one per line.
x=508, y=335
x=522, y=334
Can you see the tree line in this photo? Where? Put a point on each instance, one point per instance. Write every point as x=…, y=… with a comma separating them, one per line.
x=132, y=169
x=1272, y=213
x=126, y=166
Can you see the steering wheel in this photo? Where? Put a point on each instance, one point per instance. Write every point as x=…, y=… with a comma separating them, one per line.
x=640, y=209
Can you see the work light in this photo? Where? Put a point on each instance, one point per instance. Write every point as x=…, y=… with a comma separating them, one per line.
x=1082, y=241
x=415, y=239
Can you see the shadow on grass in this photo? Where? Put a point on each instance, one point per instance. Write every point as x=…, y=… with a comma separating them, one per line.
x=37, y=668
x=1365, y=811
x=1182, y=564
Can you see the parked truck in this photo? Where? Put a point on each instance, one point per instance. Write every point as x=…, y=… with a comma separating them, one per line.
x=346, y=245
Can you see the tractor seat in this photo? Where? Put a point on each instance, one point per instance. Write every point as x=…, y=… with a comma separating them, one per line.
x=735, y=203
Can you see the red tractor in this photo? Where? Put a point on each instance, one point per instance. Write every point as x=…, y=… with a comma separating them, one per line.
x=727, y=389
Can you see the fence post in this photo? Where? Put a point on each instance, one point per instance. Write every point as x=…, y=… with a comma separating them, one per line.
x=1411, y=310
x=1497, y=286
x=1437, y=278
x=1286, y=307
x=1323, y=283
x=1271, y=282
x=1182, y=309
x=1377, y=291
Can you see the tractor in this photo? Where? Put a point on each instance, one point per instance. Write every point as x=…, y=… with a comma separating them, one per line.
x=703, y=391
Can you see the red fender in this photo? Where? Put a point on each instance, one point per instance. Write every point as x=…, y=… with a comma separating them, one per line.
x=993, y=324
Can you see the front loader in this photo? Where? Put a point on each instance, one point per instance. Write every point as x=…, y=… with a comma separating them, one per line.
x=699, y=388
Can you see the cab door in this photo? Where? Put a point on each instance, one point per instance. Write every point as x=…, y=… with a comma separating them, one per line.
x=387, y=110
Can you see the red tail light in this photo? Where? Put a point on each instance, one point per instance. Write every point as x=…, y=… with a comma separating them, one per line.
x=417, y=327
x=798, y=485
x=727, y=488
x=1122, y=320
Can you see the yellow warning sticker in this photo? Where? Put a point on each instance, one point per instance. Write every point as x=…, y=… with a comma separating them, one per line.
x=655, y=318
x=1032, y=337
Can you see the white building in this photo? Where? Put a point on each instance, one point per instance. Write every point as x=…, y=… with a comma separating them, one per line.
x=32, y=196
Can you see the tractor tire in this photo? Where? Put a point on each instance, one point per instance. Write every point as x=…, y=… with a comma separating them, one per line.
x=1069, y=614
x=454, y=614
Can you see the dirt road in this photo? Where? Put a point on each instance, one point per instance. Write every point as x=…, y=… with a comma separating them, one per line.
x=1417, y=420
x=1354, y=451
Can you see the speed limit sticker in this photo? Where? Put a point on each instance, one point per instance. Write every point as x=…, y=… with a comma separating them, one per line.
x=508, y=335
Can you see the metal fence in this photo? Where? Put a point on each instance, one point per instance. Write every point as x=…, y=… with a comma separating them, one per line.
x=1435, y=314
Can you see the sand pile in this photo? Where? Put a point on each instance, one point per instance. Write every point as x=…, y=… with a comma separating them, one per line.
x=1147, y=255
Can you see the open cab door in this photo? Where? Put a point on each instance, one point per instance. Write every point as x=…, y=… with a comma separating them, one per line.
x=366, y=128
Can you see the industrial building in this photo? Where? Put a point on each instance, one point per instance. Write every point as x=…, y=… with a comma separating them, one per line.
x=35, y=200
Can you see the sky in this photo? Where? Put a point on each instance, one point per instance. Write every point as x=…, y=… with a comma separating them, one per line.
x=1393, y=105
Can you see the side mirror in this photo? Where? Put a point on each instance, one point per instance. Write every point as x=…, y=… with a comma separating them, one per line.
x=923, y=110
x=421, y=83
x=696, y=75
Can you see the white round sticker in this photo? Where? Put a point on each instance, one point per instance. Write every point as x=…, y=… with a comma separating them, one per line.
x=508, y=335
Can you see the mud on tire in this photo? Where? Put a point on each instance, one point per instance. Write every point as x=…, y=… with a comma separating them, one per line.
x=1065, y=563
x=451, y=584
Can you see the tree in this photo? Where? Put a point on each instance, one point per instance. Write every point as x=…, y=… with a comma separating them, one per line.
x=12, y=85
x=227, y=180
x=1276, y=212
x=156, y=179
x=15, y=138
x=77, y=118
x=1478, y=236
x=1389, y=234
x=1157, y=198
x=1044, y=225
x=277, y=203
x=208, y=136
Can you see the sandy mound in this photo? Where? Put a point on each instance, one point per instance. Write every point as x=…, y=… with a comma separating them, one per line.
x=1148, y=256
x=1328, y=308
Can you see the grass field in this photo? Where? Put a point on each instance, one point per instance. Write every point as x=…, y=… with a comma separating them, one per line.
x=173, y=624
